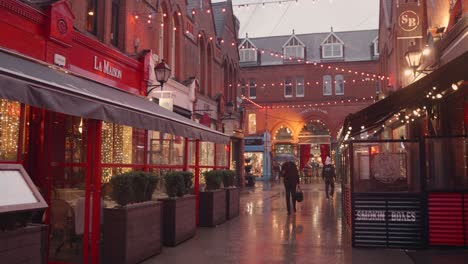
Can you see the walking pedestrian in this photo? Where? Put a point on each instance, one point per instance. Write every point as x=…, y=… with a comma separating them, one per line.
x=291, y=180
x=328, y=174
x=276, y=171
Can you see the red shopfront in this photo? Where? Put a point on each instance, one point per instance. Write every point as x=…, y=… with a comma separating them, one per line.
x=72, y=132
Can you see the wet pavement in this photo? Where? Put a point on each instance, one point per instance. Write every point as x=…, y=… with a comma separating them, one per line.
x=264, y=233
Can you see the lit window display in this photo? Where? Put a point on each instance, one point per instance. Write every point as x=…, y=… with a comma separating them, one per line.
x=255, y=161
x=9, y=129
x=207, y=153
x=221, y=155
x=165, y=149
x=120, y=145
x=252, y=123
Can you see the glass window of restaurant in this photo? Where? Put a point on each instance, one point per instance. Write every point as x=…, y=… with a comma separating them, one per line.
x=10, y=114
x=392, y=166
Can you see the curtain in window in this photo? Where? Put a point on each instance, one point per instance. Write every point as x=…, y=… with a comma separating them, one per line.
x=327, y=85
x=339, y=84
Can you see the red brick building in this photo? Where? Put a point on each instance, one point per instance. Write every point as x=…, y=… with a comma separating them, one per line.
x=75, y=79
x=299, y=89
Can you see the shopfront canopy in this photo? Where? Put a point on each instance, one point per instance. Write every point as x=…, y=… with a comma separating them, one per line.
x=413, y=95
x=42, y=86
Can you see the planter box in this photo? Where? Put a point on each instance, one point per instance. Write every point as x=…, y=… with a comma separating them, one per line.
x=24, y=245
x=178, y=219
x=212, y=208
x=132, y=234
x=232, y=202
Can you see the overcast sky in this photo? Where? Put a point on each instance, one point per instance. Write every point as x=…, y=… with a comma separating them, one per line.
x=305, y=16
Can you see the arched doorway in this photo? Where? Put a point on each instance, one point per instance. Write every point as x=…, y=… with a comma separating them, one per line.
x=283, y=148
x=314, y=146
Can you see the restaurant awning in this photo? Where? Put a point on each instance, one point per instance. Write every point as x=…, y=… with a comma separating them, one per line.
x=411, y=96
x=40, y=85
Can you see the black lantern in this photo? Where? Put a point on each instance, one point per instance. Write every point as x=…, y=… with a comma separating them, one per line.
x=230, y=108
x=413, y=57
x=163, y=72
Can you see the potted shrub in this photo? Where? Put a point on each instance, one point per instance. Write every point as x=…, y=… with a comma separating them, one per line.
x=212, y=207
x=232, y=194
x=178, y=209
x=132, y=229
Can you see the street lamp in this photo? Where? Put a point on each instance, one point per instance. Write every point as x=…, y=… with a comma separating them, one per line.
x=163, y=72
x=413, y=57
x=229, y=110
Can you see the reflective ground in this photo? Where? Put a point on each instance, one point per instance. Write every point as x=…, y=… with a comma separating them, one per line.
x=264, y=233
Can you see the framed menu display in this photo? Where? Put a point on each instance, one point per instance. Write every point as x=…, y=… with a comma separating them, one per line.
x=17, y=191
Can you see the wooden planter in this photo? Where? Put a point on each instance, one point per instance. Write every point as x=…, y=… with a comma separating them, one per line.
x=178, y=219
x=132, y=233
x=232, y=202
x=24, y=245
x=212, y=208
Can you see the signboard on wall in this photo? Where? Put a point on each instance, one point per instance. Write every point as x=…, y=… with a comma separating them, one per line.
x=409, y=19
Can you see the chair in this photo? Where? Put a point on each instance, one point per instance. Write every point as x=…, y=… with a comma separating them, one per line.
x=62, y=222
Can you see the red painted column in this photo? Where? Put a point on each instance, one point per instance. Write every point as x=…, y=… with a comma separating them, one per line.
x=197, y=177
x=186, y=153
x=95, y=164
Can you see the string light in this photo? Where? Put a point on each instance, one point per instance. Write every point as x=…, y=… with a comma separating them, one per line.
x=322, y=103
x=9, y=125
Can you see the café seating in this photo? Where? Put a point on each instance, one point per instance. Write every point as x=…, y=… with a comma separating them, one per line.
x=62, y=223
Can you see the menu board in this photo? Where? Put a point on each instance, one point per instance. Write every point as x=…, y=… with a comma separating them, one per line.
x=17, y=191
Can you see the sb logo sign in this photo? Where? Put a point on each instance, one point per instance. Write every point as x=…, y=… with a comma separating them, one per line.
x=408, y=20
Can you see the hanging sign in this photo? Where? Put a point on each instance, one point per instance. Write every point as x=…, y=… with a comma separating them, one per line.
x=409, y=19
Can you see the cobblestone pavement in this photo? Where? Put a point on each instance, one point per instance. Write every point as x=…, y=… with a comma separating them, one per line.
x=264, y=233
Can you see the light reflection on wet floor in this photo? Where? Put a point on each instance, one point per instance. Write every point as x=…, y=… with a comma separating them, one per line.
x=264, y=233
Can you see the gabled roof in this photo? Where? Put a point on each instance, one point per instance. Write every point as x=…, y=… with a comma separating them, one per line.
x=219, y=17
x=246, y=40
x=356, y=45
x=329, y=36
x=293, y=36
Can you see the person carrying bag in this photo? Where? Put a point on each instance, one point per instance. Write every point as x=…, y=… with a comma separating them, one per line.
x=291, y=180
x=299, y=196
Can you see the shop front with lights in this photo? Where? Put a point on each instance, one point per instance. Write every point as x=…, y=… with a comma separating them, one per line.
x=73, y=114
x=405, y=178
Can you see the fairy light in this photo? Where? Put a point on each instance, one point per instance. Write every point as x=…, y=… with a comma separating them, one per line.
x=9, y=127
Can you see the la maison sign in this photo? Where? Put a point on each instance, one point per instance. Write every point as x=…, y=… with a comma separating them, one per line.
x=107, y=67
x=382, y=216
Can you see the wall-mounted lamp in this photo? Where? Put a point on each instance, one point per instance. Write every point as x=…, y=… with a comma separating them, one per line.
x=413, y=57
x=163, y=72
x=229, y=110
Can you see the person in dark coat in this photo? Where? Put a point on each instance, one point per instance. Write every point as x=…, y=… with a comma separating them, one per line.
x=291, y=180
x=328, y=174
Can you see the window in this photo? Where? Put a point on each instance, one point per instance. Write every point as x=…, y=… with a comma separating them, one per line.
x=288, y=88
x=327, y=85
x=252, y=89
x=243, y=88
x=91, y=18
x=332, y=47
x=9, y=127
x=252, y=123
x=293, y=49
x=339, y=84
x=115, y=22
x=376, y=47
x=247, y=52
x=300, y=87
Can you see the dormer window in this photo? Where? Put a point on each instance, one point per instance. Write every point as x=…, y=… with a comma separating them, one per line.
x=293, y=48
x=375, y=45
x=332, y=47
x=247, y=51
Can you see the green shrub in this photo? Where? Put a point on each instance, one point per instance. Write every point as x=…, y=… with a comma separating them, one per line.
x=188, y=180
x=178, y=183
x=213, y=179
x=174, y=183
x=133, y=187
x=229, y=178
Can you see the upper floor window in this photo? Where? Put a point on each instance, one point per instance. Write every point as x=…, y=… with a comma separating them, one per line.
x=91, y=16
x=300, y=87
x=243, y=89
x=339, y=84
x=247, y=52
x=293, y=49
x=252, y=123
x=115, y=22
x=375, y=45
x=327, y=85
x=332, y=47
x=252, y=89
x=288, y=88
